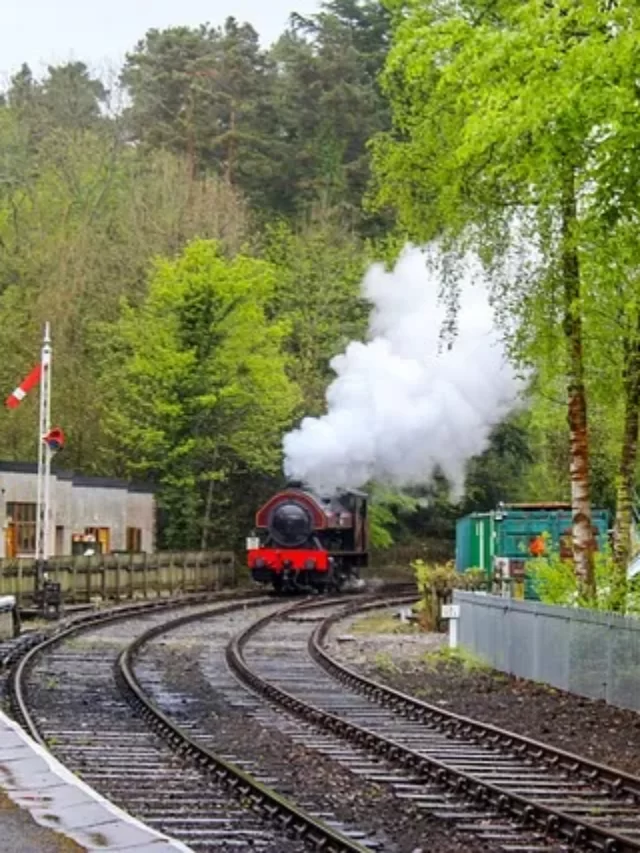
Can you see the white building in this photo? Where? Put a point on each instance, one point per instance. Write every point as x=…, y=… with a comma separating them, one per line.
x=119, y=514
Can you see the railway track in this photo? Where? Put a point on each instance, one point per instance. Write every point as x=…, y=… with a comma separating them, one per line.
x=74, y=693
x=514, y=793
x=212, y=723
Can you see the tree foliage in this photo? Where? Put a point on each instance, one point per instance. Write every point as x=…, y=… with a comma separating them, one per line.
x=289, y=125
x=501, y=122
x=199, y=254
x=196, y=375
x=320, y=269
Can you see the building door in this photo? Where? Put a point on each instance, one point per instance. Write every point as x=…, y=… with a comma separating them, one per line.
x=10, y=541
x=104, y=538
x=59, y=549
x=134, y=539
x=22, y=518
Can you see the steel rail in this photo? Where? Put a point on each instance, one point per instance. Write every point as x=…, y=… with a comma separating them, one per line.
x=16, y=686
x=553, y=822
x=617, y=781
x=291, y=818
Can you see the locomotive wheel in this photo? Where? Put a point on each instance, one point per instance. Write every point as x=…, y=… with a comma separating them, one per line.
x=335, y=581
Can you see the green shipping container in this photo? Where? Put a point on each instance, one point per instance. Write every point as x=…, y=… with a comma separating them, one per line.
x=510, y=530
x=475, y=538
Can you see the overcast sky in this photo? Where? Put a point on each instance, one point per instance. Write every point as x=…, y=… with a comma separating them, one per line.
x=100, y=32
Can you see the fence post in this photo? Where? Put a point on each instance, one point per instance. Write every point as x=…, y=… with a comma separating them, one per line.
x=130, y=583
x=506, y=633
x=116, y=591
x=158, y=584
x=145, y=577
x=19, y=589
x=170, y=578
x=88, y=568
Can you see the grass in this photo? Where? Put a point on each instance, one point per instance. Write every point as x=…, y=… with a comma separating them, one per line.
x=384, y=662
x=383, y=623
x=460, y=657
x=37, y=623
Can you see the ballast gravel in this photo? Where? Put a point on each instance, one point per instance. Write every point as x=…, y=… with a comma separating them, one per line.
x=589, y=728
x=296, y=771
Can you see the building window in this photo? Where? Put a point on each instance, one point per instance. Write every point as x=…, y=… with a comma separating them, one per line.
x=103, y=538
x=134, y=539
x=22, y=518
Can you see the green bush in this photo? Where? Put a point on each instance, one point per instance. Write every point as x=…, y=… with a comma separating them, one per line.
x=436, y=582
x=554, y=580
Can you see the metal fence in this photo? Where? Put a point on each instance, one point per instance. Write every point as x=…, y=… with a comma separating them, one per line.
x=586, y=652
x=123, y=576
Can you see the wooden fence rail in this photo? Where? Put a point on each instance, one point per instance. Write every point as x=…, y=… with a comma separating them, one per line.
x=122, y=576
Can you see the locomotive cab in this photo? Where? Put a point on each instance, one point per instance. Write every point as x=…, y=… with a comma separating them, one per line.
x=307, y=542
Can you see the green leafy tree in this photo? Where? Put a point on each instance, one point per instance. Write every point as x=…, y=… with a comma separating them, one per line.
x=81, y=217
x=68, y=99
x=497, y=112
x=288, y=126
x=200, y=392
x=500, y=473
x=318, y=292
x=205, y=93
x=329, y=103
x=71, y=97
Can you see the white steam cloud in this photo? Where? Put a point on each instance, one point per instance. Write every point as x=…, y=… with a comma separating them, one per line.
x=404, y=404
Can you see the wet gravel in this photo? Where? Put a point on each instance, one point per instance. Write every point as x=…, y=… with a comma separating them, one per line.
x=91, y=729
x=409, y=662
x=189, y=684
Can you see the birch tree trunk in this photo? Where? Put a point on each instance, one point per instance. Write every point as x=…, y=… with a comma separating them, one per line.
x=626, y=473
x=582, y=528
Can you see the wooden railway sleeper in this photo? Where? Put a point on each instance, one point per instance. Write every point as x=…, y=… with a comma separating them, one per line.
x=615, y=782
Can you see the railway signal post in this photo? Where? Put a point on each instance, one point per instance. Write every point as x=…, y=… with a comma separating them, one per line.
x=44, y=462
x=50, y=441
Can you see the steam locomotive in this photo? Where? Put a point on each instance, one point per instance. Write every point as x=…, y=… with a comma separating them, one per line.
x=306, y=542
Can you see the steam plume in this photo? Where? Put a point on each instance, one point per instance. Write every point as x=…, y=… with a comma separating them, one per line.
x=403, y=404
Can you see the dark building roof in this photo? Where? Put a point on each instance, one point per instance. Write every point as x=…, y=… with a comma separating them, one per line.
x=79, y=479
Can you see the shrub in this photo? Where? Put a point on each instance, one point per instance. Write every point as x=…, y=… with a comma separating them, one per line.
x=436, y=582
x=555, y=581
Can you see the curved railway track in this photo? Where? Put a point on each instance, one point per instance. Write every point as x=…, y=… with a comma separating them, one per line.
x=170, y=667
x=74, y=693
x=508, y=790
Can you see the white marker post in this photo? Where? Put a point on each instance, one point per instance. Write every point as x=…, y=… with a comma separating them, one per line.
x=452, y=613
x=44, y=461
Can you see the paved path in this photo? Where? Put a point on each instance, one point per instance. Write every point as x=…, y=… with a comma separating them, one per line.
x=50, y=797
x=19, y=833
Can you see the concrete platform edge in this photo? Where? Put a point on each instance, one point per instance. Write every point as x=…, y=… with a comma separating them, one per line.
x=30, y=775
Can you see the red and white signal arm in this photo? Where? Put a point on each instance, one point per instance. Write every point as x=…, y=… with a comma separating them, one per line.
x=54, y=439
